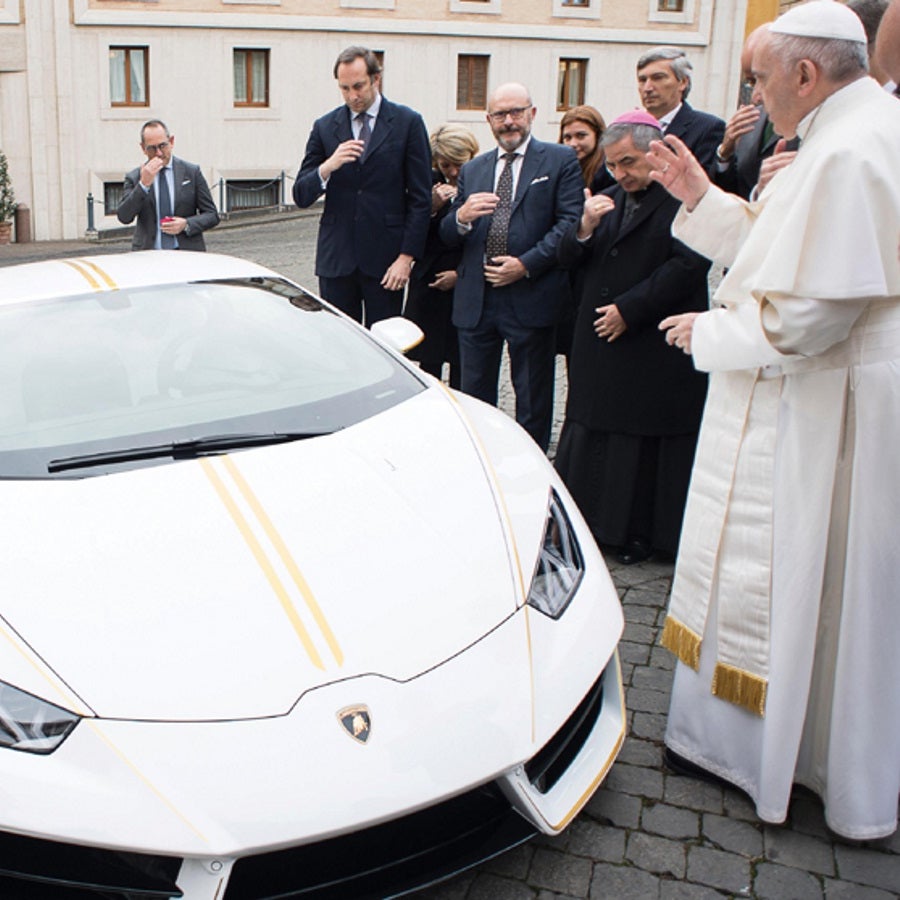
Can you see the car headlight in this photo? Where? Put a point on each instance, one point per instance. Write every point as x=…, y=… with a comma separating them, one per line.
x=560, y=565
x=31, y=724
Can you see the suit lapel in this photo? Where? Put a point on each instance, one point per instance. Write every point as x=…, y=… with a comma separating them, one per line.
x=382, y=128
x=341, y=125
x=530, y=166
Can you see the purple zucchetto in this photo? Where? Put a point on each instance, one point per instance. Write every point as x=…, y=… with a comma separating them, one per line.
x=636, y=117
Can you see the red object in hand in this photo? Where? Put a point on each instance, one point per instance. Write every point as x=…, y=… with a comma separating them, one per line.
x=166, y=219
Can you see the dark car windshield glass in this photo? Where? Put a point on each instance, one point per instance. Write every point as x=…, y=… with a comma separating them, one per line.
x=103, y=375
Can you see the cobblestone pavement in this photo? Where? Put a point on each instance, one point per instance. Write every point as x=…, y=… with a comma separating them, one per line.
x=646, y=834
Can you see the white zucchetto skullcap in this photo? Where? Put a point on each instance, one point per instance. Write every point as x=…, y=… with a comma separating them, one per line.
x=821, y=19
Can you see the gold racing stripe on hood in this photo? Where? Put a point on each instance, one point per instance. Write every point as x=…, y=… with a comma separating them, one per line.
x=289, y=562
x=103, y=275
x=263, y=561
x=84, y=273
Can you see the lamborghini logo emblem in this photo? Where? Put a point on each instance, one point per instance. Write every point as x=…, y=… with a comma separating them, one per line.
x=357, y=722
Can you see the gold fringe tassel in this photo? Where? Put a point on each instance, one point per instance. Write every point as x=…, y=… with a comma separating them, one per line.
x=683, y=642
x=740, y=687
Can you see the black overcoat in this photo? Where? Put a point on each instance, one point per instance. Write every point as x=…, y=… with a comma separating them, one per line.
x=636, y=384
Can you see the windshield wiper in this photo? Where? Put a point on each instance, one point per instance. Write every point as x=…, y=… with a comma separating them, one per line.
x=206, y=446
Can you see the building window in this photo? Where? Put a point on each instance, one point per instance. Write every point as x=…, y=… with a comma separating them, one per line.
x=251, y=77
x=576, y=2
x=475, y=6
x=670, y=5
x=672, y=11
x=113, y=194
x=251, y=193
x=471, y=81
x=129, y=76
x=570, y=86
x=576, y=9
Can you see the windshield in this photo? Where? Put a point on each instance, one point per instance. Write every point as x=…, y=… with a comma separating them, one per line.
x=110, y=372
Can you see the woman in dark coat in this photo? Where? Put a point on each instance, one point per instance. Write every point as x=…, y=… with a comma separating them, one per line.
x=429, y=302
x=581, y=128
x=634, y=406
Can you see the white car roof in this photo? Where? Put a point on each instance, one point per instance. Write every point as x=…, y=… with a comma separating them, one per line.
x=108, y=272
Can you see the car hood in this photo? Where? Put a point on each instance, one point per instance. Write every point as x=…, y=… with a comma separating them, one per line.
x=227, y=587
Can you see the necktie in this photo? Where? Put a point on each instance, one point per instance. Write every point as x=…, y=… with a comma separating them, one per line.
x=495, y=245
x=365, y=132
x=166, y=241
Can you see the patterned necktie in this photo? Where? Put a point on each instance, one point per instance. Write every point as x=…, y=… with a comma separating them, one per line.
x=166, y=241
x=495, y=245
x=365, y=132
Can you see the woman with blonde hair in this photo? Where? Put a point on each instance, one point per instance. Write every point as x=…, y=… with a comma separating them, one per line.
x=430, y=300
x=581, y=129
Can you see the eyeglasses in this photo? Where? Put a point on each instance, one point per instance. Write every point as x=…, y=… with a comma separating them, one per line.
x=153, y=149
x=514, y=114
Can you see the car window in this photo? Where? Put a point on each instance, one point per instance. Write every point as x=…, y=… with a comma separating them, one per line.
x=182, y=362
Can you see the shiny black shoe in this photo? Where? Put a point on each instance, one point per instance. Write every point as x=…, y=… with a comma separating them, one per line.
x=634, y=551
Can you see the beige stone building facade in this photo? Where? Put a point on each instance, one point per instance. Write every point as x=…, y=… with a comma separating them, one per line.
x=239, y=82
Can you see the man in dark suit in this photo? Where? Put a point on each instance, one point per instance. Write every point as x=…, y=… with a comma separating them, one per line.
x=371, y=159
x=512, y=206
x=749, y=137
x=664, y=82
x=634, y=407
x=169, y=197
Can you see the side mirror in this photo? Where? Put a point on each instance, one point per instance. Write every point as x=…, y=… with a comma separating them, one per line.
x=398, y=333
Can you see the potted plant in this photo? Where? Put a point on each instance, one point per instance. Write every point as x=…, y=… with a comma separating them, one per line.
x=7, y=201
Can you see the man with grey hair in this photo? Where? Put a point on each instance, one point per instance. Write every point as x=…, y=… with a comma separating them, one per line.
x=887, y=44
x=664, y=82
x=784, y=606
x=626, y=451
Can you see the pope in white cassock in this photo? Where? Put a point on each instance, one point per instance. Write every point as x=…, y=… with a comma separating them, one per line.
x=785, y=608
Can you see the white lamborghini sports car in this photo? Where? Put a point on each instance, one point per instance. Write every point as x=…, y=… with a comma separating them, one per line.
x=280, y=615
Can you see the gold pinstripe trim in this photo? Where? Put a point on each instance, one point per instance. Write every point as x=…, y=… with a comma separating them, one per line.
x=263, y=562
x=66, y=698
x=286, y=557
x=143, y=778
x=497, y=492
x=104, y=275
x=604, y=769
x=72, y=264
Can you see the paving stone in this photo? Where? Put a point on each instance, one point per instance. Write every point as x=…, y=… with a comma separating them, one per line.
x=622, y=883
x=641, y=753
x=845, y=890
x=739, y=806
x=652, y=678
x=638, y=780
x=869, y=867
x=492, y=887
x=693, y=793
x=891, y=843
x=683, y=890
x=801, y=851
x=614, y=808
x=643, y=700
x=597, y=842
x=656, y=854
x=561, y=872
x=651, y=726
x=551, y=895
x=639, y=634
x=719, y=869
x=670, y=821
x=634, y=653
x=643, y=596
x=514, y=864
x=660, y=658
x=733, y=835
x=777, y=882
x=627, y=672
x=641, y=615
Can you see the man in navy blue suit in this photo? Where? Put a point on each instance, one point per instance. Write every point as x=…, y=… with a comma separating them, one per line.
x=664, y=82
x=372, y=160
x=513, y=205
